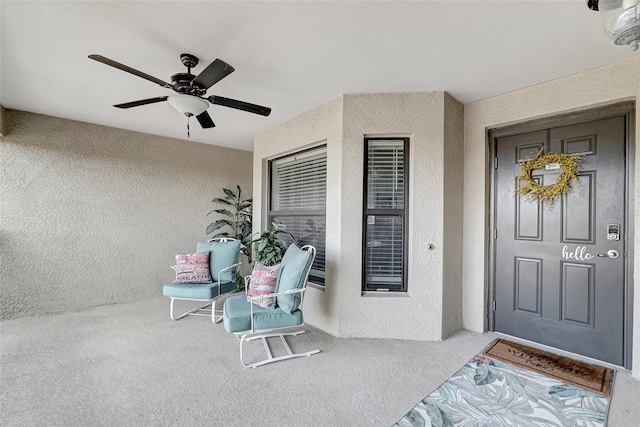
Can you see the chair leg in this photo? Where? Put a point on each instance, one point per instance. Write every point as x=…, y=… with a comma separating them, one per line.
x=270, y=359
x=192, y=312
x=216, y=314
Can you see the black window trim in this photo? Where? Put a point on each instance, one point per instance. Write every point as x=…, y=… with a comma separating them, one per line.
x=316, y=280
x=388, y=212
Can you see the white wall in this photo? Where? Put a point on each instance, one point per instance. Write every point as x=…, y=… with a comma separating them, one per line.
x=342, y=123
x=605, y=85
x=93, y=215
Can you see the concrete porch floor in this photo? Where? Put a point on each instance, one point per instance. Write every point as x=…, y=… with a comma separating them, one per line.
x=129, y=364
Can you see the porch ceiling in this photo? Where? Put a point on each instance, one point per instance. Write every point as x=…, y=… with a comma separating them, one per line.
x=289, y=56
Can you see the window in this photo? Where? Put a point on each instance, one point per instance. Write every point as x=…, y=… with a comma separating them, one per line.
x=385, y=215
x=297, y=198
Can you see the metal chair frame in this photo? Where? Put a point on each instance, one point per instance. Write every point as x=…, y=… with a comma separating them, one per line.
x=264, y=334
x=209, y=308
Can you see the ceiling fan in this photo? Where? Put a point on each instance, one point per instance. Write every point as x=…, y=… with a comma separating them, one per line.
x=190, y=90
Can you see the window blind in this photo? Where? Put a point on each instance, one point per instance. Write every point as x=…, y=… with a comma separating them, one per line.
x=300, y=182
x=384, y=215
x=385, y=175
x=298, y=199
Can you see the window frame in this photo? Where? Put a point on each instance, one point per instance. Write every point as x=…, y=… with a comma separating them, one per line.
x=403, y=213
x=273, y=214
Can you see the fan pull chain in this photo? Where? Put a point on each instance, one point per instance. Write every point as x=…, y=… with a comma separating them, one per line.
x=188, y=135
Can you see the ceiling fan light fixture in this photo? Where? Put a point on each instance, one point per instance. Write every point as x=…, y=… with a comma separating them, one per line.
x=188, y=105
x=621, y=20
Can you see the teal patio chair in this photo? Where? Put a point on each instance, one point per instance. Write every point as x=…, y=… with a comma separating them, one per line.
x=223, y=261
x=248, y=321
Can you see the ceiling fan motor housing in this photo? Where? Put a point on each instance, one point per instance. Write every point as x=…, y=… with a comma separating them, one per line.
x=182, y=83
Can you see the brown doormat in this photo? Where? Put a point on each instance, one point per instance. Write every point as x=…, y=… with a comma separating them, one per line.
x=591, y=377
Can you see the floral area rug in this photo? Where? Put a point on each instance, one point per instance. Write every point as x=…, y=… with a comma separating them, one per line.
x=492, y=393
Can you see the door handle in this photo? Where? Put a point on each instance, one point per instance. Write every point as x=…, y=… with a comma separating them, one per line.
x=611, y=253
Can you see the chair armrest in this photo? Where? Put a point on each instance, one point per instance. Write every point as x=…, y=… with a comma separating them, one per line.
x=231, y=267
x=259, y=297
x=289, y=292
x=247, y=280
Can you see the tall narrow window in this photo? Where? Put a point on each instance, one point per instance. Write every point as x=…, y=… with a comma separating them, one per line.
x=385, y=215
x=297, y=198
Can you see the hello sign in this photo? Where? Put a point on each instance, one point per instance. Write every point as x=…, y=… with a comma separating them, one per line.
x=579, y=254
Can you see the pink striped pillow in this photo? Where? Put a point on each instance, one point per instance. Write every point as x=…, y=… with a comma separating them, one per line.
x=263, y=282
x=193, y=268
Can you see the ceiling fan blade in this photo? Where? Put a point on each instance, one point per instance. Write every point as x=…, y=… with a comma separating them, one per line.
x=211, y=75
x=205, y=120
x=239, y=105
x=141, y=102
x=128, y=69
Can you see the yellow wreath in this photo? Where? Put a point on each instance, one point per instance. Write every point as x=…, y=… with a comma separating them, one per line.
x=569, y=163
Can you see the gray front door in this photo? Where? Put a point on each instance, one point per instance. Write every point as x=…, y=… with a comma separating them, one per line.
x=556, y=280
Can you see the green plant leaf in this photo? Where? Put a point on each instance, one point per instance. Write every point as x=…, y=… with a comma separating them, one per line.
x=239, y=214
x=229, y=193
x=217, y=225
x=246, y=234
x=223, y=201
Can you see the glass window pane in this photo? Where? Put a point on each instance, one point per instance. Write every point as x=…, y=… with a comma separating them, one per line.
x=298, y=200
x=385, y=174
x=300, y=182
x=308, y=230
x=384, y=254
x=384, y=216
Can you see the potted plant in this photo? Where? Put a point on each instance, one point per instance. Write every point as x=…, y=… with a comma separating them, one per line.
x=268, y=248
x=237, y=224
x=238, y=219
x=268, y=251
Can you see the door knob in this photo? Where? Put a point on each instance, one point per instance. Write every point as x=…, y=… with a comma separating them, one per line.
x=611, y=253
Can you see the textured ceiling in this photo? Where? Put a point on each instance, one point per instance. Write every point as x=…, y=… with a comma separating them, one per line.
x=290, y=56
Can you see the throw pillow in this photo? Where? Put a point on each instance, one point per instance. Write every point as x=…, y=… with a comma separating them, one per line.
x=263, y=282
x=223, y=254
x=193, y=268
x=293, y=274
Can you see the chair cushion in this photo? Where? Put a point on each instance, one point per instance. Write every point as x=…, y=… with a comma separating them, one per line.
x=223, y=254
x=237, y=316
x=263, y=282
x=293, y=274
x=193, y=268
x=196, y=290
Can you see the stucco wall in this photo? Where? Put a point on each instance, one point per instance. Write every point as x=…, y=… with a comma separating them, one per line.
x=341, y=308
x=453, y=207
x=93, y=215
x=605, y=85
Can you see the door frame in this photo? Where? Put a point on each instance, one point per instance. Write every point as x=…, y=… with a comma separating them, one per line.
x=624, y=108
